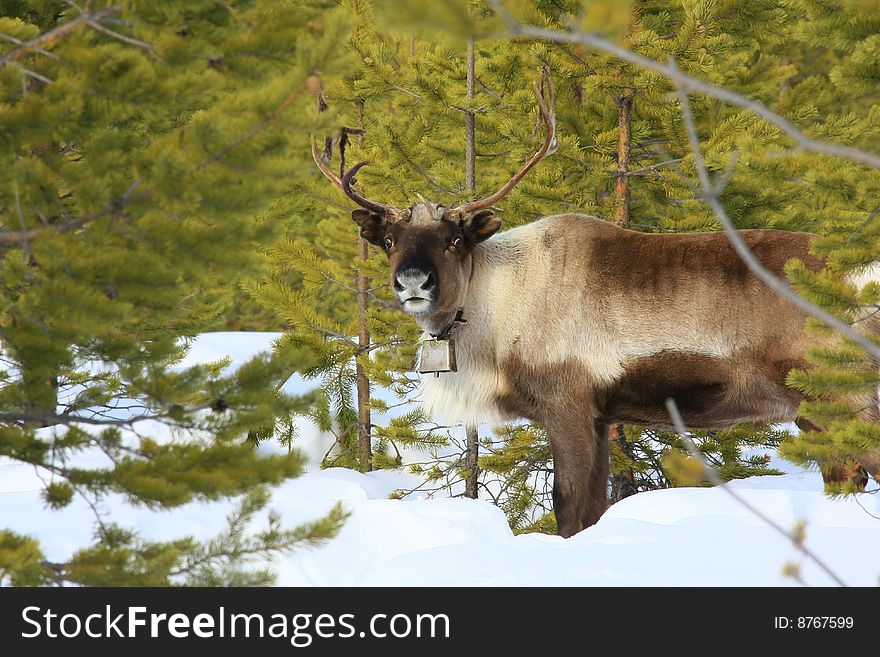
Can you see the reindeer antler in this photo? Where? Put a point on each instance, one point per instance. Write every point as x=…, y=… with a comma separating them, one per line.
x=372, y=206
x=546, y=108
x=322, y=165
x=345, y=182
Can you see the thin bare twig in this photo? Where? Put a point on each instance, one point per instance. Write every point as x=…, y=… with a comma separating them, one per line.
x=38, y=44
x=651, y=167
x=487, y=89
x=30, y=72
x=236, y=14
x=394, y=87
x=859, y=502
x=53, y=419
x=127, y=39
x=863, y=224
x=37, y=49
x=106, y=30
x=712, y=476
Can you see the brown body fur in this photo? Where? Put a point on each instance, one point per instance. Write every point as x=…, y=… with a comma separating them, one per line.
x=700, y=276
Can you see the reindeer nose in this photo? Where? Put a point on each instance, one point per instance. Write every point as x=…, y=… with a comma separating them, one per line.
x=414, y=281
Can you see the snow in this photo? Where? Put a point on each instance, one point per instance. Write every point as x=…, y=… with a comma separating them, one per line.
x=684, y=536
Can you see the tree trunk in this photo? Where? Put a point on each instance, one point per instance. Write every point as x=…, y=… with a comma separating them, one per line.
x=624, y=103
x=470, y=157
x=365, y=447
x=470, y=177
x=365, y=443
x=471, y=462
x=362, y=383
x=622, y=482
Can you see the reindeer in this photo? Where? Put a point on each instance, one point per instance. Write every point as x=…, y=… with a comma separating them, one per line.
x=577, y=324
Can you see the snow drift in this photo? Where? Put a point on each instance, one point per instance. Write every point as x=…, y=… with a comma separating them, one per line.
x=685, y=536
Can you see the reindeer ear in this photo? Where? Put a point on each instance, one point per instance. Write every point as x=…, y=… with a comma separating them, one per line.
x=372, y=225
x=481, y=225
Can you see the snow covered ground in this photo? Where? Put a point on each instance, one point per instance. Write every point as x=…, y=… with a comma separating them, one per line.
x=686, y=536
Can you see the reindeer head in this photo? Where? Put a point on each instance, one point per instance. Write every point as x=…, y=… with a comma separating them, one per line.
x=428, y=245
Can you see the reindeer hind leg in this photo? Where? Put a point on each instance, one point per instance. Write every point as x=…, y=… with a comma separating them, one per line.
x=597, y=501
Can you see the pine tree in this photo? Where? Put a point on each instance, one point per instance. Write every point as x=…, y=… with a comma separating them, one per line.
x=138, y=140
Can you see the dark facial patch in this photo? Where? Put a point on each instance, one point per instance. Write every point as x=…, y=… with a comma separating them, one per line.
x=430, y=248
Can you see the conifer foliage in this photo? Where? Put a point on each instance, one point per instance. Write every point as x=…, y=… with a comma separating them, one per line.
x=157, y=167
x=138, y=142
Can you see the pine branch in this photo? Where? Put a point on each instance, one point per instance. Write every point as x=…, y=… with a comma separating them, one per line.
x=10, y=239
x=276, y=113
x=231, y=549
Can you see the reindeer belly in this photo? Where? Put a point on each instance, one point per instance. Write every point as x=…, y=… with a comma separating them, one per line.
x=711, y=392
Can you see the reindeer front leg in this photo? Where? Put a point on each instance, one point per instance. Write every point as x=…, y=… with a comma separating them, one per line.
x=579, y=487
x=598, y=486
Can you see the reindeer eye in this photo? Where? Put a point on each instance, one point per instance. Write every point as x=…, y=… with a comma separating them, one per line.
x=456, y=242
x=389, y=242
